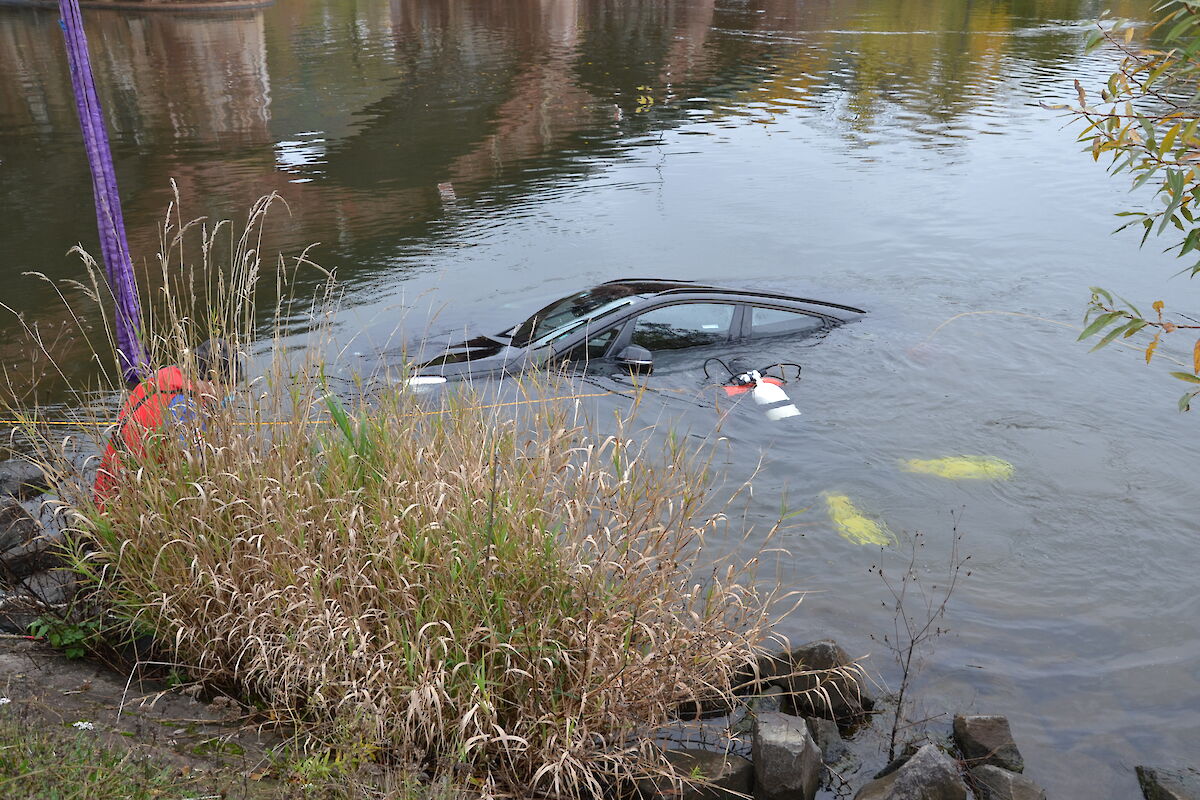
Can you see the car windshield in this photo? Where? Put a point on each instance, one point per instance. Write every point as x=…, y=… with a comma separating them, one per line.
x=562, y=315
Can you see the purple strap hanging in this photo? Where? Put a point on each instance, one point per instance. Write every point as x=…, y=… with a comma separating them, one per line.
x=113, y=247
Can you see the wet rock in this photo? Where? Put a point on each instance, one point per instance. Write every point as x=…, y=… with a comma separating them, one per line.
x=18, y=611
x=20, y=478
x=994, y=783
x=787, y=762
x=837, y=696
x=17, y=525
x=929, y=775
x=34, y=596
x=825, y=733
x=40, y=550
x=987, y=740
x=52, y=587
x=725, y=777
x=899, y=761
x=1169, y=784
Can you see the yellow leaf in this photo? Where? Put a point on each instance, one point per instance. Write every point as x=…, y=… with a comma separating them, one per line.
x=1169, y=138
x=1081, y=93
x=1196, y=358
x=1152, y=347
x=1158, y=306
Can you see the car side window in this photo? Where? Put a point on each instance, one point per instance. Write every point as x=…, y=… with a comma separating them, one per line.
x=683, y=325
x=593, y=347
x=777, y=322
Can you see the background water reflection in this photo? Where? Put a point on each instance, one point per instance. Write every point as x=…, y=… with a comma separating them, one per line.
x=475, y=159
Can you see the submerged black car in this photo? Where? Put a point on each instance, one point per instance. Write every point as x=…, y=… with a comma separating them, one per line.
x=624, y=323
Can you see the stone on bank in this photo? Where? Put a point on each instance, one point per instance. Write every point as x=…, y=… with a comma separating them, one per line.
x=725, y=776
x=929, y=775
x=987, y=740
x=994, y=783
x=787, y=762
x=1169, y=784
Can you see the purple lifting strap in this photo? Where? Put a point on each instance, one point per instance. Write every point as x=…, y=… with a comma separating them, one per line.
x=118, y=267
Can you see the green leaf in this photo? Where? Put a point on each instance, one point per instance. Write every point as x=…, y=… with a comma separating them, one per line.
x=1132, y=307
x=1114, y=333
x=1133, y=328
x=1185, y=402
x=340, y=417
x=1186, y=376
x=1178, y=29
x=1098, y=324
x=1102, y=293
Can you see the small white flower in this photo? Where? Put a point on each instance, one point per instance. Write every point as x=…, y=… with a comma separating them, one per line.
x=84, y=726
x=4, y=701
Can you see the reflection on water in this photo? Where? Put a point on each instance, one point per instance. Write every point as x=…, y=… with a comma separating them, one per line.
x=491, y=156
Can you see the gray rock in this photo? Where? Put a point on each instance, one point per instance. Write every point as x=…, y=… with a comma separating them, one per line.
x=993, y=783
x=787, y=762
x=39, y=552
x=910, y=750
x=828, y=738
x=53, y=587
x=17, y=526
x=18, y=611
x=770, y=700
x=1169, y=784
x=756, y=678
x=928, y=775
x=838, y=696
x=21, y=478
x=34, y=596
x=987, y=740
x=723, y=776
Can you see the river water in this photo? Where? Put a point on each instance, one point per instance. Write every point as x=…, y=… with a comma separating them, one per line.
x=474, y=159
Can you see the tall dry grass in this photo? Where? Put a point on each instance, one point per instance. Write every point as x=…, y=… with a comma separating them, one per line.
x=509, y=600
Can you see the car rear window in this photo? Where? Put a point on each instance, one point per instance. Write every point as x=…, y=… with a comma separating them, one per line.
x=780, y=322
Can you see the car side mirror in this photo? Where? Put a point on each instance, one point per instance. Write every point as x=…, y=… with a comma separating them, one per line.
x=636, y=359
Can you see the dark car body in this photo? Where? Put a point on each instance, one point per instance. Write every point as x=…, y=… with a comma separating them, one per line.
x=603, y=326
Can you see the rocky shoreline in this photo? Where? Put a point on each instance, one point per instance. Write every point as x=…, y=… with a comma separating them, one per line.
x=787, y=737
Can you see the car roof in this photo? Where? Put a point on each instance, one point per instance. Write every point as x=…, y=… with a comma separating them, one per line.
x=659, y=286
